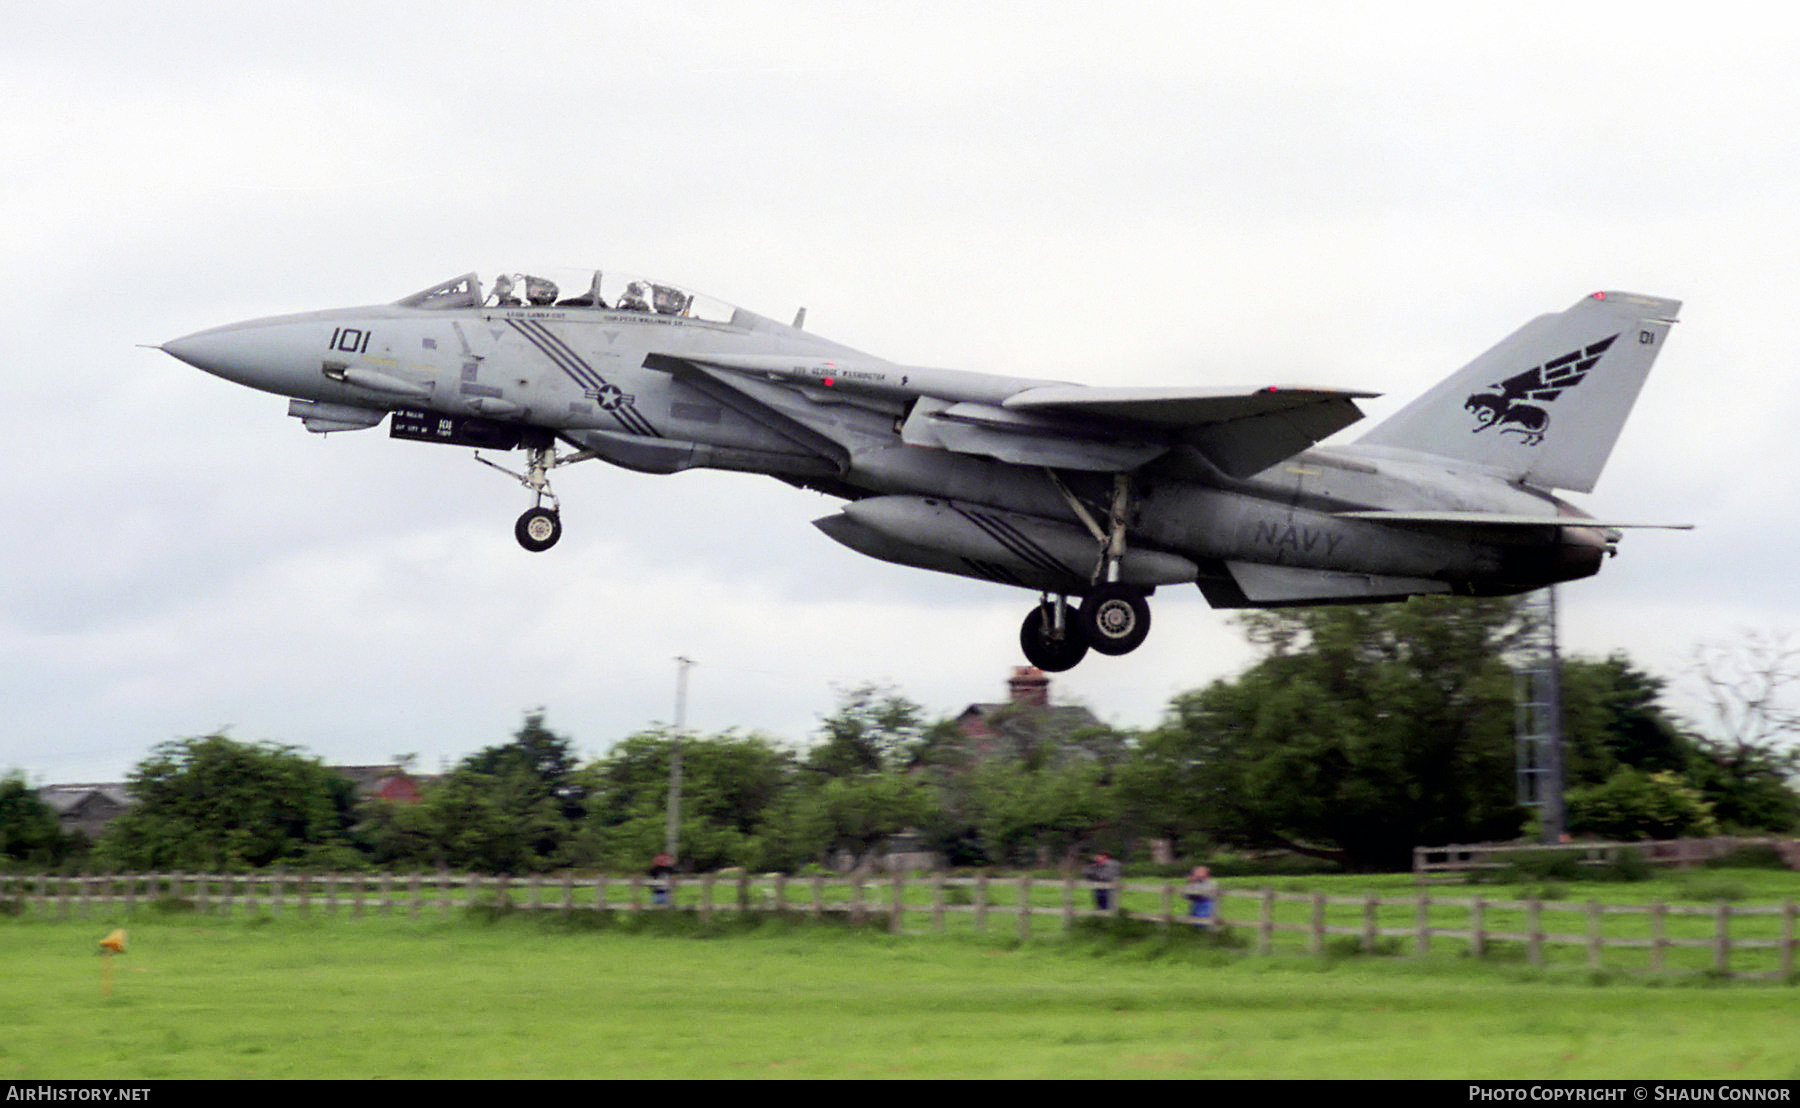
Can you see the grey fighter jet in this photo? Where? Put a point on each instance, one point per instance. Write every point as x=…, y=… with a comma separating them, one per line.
x=1096, y=494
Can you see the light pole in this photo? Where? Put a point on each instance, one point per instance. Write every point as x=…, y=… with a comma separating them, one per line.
x=672, y=835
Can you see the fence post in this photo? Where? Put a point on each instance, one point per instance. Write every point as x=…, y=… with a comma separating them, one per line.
x=780, y=893
x=937, y=900
x=1422, y=920
x=1596, y=943
x=894, y=924
x=1168, y=905
x=981, y=898
x=1722, y=939
x=818, y=896
x=1068, y=903
x=1787, y=939
x=1658, y=939
x=856, y=896
x=1024, y=906
x=1371, y=936
x=1265, y=923
x=1318, y=923
x=1477, y=941
x=706, y=896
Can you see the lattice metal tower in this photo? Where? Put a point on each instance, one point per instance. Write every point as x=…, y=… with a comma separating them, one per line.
x=1538, y=715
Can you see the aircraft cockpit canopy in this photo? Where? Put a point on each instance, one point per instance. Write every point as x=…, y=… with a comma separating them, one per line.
x=583, y=289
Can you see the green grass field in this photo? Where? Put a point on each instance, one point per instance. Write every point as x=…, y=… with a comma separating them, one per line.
x=517, y=996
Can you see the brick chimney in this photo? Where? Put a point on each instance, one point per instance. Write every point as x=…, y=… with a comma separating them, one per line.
x=1029, y=686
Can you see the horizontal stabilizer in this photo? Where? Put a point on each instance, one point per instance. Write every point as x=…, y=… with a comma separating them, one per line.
x=1259, y=585
x=1430, y=520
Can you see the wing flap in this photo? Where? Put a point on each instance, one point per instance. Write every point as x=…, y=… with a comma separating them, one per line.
x=1177, y=407
x=1022, y=438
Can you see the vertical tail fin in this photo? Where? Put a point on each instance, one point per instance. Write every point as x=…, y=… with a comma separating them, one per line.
x=1546, y=405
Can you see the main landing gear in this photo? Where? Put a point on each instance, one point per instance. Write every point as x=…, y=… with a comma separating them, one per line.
x=540, y=526
x=1114, y=618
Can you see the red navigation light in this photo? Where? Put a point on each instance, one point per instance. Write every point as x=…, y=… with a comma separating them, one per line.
x=1599, y=296
x=830, y=381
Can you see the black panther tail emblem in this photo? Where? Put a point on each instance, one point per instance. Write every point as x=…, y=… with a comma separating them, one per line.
x=1505, y=408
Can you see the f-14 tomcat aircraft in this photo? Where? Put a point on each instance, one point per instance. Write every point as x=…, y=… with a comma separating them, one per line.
x=1101, y=494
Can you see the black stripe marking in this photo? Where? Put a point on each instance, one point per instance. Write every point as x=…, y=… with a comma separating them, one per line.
x=993, y=571
x=1016, y=542
x=563, y=356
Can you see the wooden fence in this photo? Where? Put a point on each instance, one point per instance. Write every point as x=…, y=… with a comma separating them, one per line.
x=1720, y=939
x=1429, y=861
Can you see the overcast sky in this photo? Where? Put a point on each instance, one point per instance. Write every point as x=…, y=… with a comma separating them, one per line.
x=1356, y=195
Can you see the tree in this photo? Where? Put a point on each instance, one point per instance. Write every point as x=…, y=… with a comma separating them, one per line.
x=1612, y=717
x=730, y=786
x=861, y=812
x=29, y=830
x=1631, y=804
x=512, y=808
x=213, y=802
x=1034, y=816
x=1747, y=738
x=874, y=728
x=1362, y=732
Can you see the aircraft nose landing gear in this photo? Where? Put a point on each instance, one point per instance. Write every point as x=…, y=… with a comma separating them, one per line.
x=540, y=526
x=538, y=529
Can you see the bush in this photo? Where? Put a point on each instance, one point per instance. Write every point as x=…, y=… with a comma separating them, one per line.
x=1749, y=856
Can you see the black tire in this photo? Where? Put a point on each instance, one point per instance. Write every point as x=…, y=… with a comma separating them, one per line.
x=538, y=529
x=1115, y=619
x=1052, y=655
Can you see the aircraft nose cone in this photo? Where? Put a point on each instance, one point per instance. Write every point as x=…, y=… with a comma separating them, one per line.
x=203, y=350
x=272, y=355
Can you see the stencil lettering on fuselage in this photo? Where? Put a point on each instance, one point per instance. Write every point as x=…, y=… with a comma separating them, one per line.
x=1288, y=539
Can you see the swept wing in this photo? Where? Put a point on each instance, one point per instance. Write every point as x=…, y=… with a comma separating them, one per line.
x=1064, y=426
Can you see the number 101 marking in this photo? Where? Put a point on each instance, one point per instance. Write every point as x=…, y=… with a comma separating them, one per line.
x=351, y=340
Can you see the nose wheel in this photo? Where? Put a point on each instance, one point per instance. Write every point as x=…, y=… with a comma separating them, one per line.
x=541, y=525
x=538, y=529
